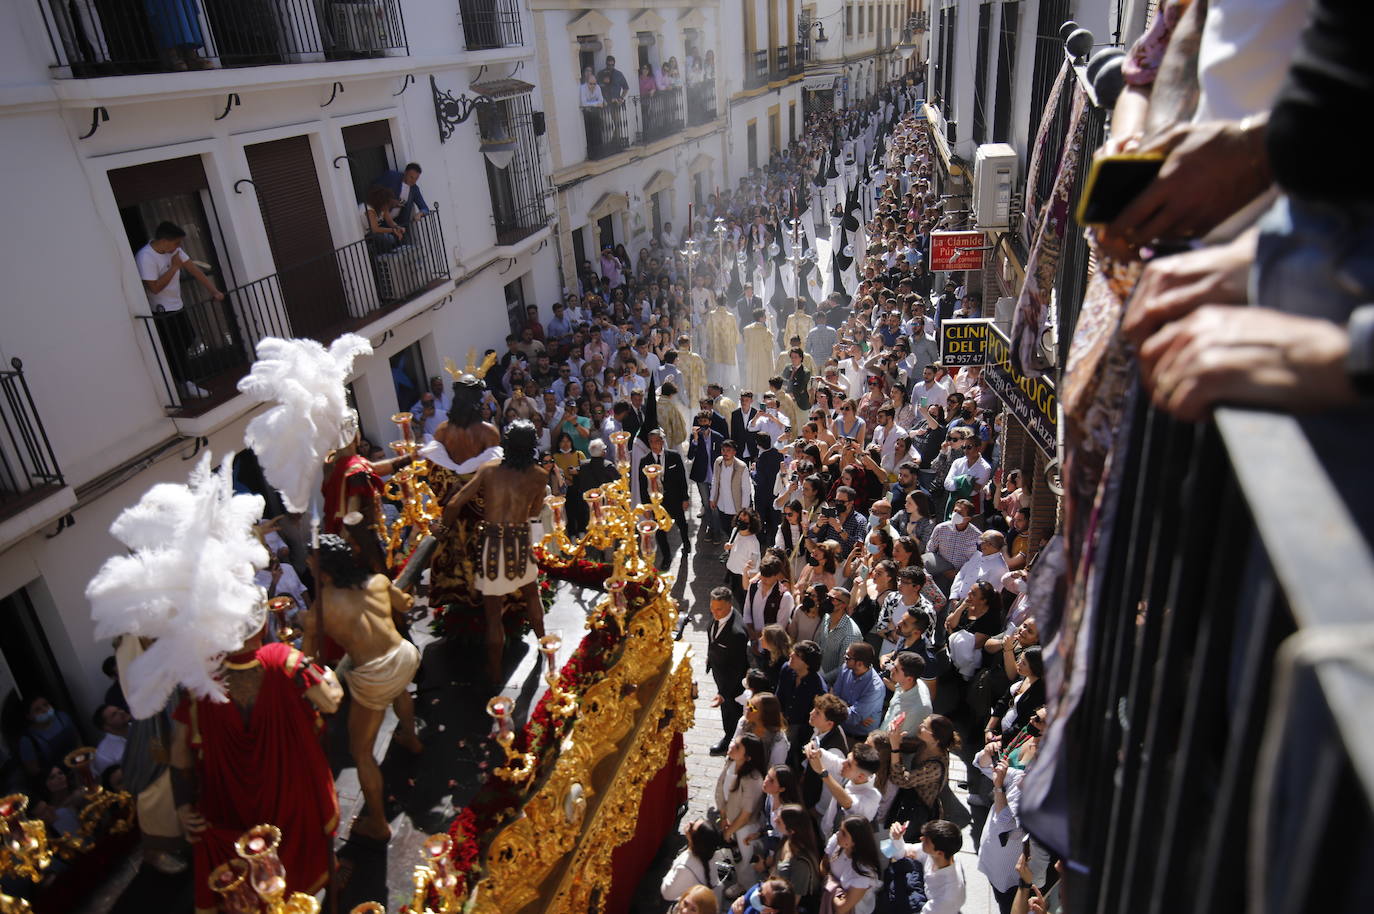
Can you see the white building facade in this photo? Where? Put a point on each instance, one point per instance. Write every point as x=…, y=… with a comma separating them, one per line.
x=260, y=141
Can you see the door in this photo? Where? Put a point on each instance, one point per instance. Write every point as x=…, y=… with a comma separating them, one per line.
x=288, y=188
x=656, y=213
x=579, y=249
x=605, y=229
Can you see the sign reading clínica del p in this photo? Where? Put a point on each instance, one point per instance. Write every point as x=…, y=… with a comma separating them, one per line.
x=964, y=341
x=1031, y=400
x=956, y=251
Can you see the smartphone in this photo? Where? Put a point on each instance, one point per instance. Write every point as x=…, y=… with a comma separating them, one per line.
x=1113, y=182
x=899, y=719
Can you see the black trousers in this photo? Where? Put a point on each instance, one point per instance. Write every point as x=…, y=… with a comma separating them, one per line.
x=177, y=335
x=680, y=525
x=730, y=713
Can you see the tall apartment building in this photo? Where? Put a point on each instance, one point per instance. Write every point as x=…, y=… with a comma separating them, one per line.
x=853, y=47
x=260, y=142
x=721, y=94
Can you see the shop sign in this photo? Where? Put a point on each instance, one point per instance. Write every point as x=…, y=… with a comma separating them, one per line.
x=1031, y=400
x=964, y=342
x=956, y=251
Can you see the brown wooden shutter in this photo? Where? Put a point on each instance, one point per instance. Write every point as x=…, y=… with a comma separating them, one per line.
x=297, y=226
x=140, y=183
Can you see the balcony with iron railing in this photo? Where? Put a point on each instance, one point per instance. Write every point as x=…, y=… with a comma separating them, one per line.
x=608, y=129
x=489, y=24
x=28, y=467
x=203, y=349
x=755, y=68
x=661, y=114
x=701, y=102
x=91, y=38
x=782, y=61
x=801, y=55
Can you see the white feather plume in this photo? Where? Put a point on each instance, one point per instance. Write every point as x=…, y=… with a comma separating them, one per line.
x=187, y=582
x=306, y=381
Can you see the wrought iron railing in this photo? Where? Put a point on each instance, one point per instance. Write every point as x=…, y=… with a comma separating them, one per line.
x=782, y=60
x=97, y=38
x=28, y=466
x=490, y=24
x=660, y=114
x=755, y=68
x=608, y=130
x=801, y=55
x=203, y=349
x=701, y=102
x=1224, y=711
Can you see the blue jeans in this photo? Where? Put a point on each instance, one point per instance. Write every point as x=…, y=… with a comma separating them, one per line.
x=1314, y=258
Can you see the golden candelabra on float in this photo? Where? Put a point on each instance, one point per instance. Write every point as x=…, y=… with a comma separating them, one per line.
x=409, y=488
x=256, y=881
x=26, y=850
x=616, y=524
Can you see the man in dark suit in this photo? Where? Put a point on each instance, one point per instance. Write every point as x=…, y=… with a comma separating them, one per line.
x=673, y=479
x=766, y=466
x=727, y=660
x=741, y=426
x=710, y=403
x=702, y=450
x=747, y=304
x=405, y=187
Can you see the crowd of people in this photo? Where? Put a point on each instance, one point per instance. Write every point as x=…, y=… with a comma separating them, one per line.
x=871, y=623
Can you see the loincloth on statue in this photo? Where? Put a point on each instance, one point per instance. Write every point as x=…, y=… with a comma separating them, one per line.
x=376, y=683
x=504, y=562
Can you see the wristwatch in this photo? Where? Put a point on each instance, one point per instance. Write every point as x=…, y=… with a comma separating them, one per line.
x=1359, y=364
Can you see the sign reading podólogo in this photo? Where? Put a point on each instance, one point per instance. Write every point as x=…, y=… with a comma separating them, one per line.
x=956, y=251
x=964, y=341
x=1031, y=400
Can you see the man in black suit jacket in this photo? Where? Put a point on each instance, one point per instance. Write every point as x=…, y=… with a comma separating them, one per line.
x=703, y=447
x=675, y=497
x=727, y=660
x=766, y=467
x=747, y=304
x=718, y=422
x=741, y=421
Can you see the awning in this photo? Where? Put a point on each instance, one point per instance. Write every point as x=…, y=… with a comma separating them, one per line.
x=819, y=83
x=502, y=88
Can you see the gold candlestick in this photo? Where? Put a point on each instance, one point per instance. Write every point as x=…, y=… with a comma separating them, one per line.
x=519, y=766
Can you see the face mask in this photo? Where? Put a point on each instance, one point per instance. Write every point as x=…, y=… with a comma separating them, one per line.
x=957, y=518
x=812, y=561
x=872, y=548
x=742, y=524
x=876, y=521
x=46, y=717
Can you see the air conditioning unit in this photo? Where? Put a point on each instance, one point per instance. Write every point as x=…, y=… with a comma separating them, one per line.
x=994, y=178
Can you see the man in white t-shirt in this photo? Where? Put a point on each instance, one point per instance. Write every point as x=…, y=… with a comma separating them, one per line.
x=928, y=391
x=113, y=721
x=944, y=877
x=160, y=262
x=848, y=785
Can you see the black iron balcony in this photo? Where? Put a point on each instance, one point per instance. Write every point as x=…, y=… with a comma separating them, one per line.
x=755, y=68
x=203, y=349
x=801, y=55
x=1225, y=686
x=490, y=24
x=28, y=467
x=782, y=61
x=97, y=38
x=660, y=114
x=608, y=130
x=701, y=102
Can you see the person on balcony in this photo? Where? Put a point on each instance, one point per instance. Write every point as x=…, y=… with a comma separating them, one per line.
x=614, y=86
x=409, y=205
x=648, y=85
x=159, y=263
x=589, y=93
x=378, y=226
x=176, y=29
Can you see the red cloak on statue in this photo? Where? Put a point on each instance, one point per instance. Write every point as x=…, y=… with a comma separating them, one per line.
x=269, y=769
